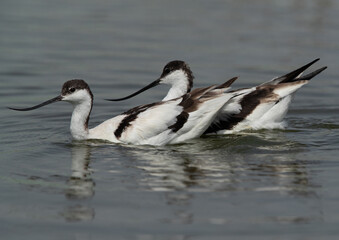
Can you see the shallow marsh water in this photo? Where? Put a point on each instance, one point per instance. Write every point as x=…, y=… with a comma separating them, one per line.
x=279, y=184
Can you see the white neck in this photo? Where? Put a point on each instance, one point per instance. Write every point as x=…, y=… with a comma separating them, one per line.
x=179, y=84
x=79, y=128
x=176, y=91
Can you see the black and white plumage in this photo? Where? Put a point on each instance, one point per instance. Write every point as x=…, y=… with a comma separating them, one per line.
x=260, y=107
x=264, y=106
x=160, y=123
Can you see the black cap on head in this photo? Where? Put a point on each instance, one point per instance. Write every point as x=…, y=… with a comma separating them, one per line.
x=75, y=84
x=176, y=65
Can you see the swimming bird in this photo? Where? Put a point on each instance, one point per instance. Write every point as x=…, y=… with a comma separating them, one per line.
x=260, y=107
x=159, y=123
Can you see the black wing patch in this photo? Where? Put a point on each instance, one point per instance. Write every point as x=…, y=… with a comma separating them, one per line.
x=248, y=104
x=131, y=115
x=181, y=120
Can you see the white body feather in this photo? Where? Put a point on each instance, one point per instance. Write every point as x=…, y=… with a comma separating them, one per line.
x=151, y=127
x=186, y=116
x=268, y=114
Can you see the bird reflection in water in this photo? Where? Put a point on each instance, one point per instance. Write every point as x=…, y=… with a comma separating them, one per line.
x=247, y=162
x=80, y=186
x=225, y=164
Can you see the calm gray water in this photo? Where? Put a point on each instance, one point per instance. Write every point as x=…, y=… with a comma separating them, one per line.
x=258, y=185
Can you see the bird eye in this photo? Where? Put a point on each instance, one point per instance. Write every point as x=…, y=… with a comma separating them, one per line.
x=167, y=70
x=72, y=89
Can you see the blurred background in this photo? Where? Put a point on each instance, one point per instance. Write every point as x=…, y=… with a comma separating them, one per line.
x=263, y=185
x=124, y=44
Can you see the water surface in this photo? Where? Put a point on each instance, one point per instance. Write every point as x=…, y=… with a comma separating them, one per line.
x=279, y=184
